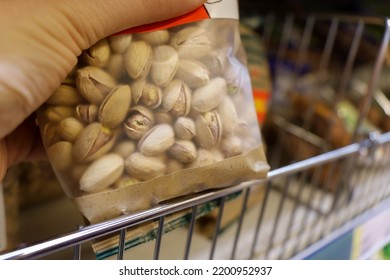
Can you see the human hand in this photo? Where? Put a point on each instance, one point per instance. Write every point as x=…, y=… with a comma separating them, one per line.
x=40, y=43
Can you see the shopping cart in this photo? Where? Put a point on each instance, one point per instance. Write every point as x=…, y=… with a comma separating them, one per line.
x=316, y=191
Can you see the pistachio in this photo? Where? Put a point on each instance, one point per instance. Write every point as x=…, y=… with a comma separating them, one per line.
x=208, y=97
x=183, y=150
x=102, y=173
x=184, y=128
x=65, y=95
x=87, y=113
x=228, y=115
x=69, y=128
x=144, y=167
x=125, y=148
x=204, y=157
x=60, y=155
x=98, y=54
x=116, y=66
x=138, y=59
x=215, y=62
x=93, y=142
x=125, y=181
x=57, y=113
x=139, y=121
x=209, y=130
x=192, y=42
x=231, y=146
x=158, y=37
x=94, y=83
x=151, y=96
x=234, y=74
x=157, y=140
x=193, y=73
x=115, y=106
x=164, y=66
x=177, y=98
x=137, y=88
x=120, y=43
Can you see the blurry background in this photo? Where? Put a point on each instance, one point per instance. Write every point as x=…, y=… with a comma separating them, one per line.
x=363, y=7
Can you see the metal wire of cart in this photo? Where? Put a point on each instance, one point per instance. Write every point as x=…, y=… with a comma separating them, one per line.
x=297, y=213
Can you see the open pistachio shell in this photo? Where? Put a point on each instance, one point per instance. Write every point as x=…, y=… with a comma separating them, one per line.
x=93, y=142
x=164, y=66
x=115, y=106
x=138, y=59
x=94, y=83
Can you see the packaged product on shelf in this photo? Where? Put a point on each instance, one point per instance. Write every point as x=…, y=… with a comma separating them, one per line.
x=153, y=113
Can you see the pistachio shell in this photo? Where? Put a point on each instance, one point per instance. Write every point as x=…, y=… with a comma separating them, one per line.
x=98, y=54
x=235, y=75
x=125, y=181
x=177, y=98
x=158, y=37
x=102, y=173
x=94, y=83
x=151, y=96
x=193, y=73
x=60, y=155
x=138, y=59
x=208, y=130
x=116, y=66
x=183, y=150
x=115, y=106
x=192, y=42
x=157, y=140
x=57, y=113
x=208, y=97
x=228, y=114
x=140, y=120
x=87, y=113
x=120, y=43
x=164, y=66
x=231, y=146
x=137, y=88
x=204, y=157
x=65, y=95
x=93, y=142
x=69, y=128
x=184, y=128
x=143, y=167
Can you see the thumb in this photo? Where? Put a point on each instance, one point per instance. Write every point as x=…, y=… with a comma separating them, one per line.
x=95, y=20
x=43, y=38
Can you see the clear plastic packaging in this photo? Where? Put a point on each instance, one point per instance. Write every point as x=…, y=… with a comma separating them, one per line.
x=149, y=116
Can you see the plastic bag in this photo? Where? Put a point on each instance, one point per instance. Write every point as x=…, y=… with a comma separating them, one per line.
x=155, y=113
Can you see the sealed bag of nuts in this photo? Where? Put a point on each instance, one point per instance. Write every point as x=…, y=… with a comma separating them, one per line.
x=155, y=112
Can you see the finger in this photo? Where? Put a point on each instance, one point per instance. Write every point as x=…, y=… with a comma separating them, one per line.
x=47, y=39
x=97, y=19
x=24, y=144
